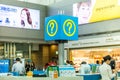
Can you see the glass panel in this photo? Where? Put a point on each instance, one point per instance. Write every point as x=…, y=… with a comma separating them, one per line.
x=22, y=50
x=1, y=50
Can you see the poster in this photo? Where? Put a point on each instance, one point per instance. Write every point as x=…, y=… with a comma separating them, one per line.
x=4, y=66
x=19, y=17
x=51, y=70
x=96, y=10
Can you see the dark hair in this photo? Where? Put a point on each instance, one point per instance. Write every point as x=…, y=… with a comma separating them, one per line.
x=28, y=17
x=112, y=64
x=97, y=62
x=83, y=62
x=102, y=61
x=108, y=57
x=17, y=59
x=67, y=61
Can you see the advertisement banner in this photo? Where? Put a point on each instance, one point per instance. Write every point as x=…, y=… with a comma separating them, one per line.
x=4, y=66
x=96, y=10
x=19, y=17
x=51, y=71
x=67, y=71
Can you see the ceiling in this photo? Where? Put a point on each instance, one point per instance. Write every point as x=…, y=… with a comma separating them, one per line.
x=43, y=2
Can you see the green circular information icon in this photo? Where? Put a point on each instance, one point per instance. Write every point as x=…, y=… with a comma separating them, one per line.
x=69, y=27
x=52, y=27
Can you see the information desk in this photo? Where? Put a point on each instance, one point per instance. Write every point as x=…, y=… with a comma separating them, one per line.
x=39, y=78
x=90, y=76
x=118, y=78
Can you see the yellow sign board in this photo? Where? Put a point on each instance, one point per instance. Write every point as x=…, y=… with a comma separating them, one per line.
x=96, y=10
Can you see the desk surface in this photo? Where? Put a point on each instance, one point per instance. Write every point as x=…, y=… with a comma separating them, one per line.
x=78, y=74
x=39, y=78
x=118, y=78
x=90, y=76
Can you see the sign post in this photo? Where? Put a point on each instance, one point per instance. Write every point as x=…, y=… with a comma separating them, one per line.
x=61, y=28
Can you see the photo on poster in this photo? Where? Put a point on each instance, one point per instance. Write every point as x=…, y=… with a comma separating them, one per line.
x=83, y=11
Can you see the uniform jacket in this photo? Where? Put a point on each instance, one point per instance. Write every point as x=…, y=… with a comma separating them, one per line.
x=106, y=72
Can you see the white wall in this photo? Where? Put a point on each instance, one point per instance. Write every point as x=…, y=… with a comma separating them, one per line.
x=44, y=2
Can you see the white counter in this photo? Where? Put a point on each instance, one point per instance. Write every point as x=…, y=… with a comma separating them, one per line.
x=118, y=78
x=39, y=78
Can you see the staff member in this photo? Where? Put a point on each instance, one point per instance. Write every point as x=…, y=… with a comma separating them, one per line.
x=105, y=69
x=18, y=67
x=85, y=68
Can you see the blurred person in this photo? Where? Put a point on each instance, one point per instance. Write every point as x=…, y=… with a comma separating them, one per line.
x=67, y=62
x=112, y=64
x=52, y=63
x=71, y=63
x=105, y=69
x=76, y=66
x=97, y=62
x=27, y=66
x=18, y=67
x=85, y=68
x=32, y=66
x=95, y=67
x=46, y=65
x=102, y=61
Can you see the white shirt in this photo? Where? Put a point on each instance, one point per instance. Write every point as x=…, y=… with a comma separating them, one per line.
x=106, y=72
x=18, y=67
x=84, y=69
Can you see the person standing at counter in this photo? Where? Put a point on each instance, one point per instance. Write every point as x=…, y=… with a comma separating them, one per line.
x=84, y=68
x=105, y=69
x=52, y=63
x=112, y=64
x=32, y=66
x=67, y=62
x=97, y=66
x=27, y=66
x=18, y=67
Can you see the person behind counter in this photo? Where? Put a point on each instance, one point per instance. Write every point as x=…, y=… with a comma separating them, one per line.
x=52, y=63
x=105, y=69
x=112, y=64
x=27, y=66
x=97, y=62
x=18, y=67
x=32, y=66
x=67, y=62
x=97, y=66
x=85, y=68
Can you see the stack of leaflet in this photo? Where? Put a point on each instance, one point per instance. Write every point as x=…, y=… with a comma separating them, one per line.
x=67, y=71
x=51, y=70
x=39, y=73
